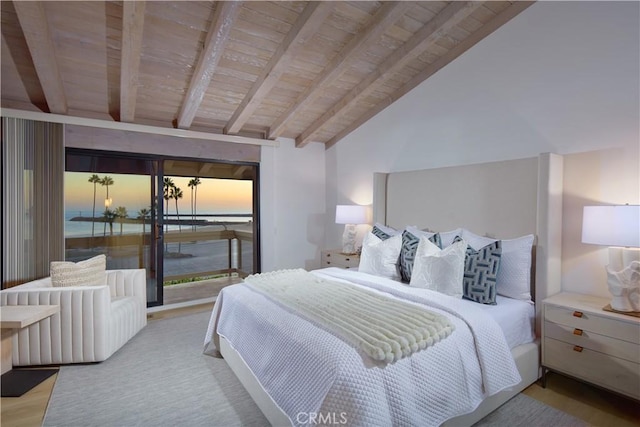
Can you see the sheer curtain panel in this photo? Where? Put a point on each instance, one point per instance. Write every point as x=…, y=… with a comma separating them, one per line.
x=32, y=199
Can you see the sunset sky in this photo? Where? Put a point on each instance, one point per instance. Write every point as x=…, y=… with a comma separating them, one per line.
x=215, y=196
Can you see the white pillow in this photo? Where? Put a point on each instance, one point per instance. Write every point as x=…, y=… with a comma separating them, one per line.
x=438, y=269
x=514, y=275
x=446, y=237
x=90, y=272
x=380, y=257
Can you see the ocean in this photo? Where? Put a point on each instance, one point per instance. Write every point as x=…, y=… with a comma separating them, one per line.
x=83, y=228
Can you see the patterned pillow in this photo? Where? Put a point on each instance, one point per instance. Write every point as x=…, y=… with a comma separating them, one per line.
x=514, y=275
x=480, y=272
x=382, y=232
x=90, y=272
x=408, y=252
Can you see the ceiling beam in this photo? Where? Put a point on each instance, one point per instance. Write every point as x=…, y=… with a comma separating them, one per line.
x=416, y=45
x=217, y=36
x=304, y=28
x=496, y=22
x=240, y=170
x=134, y=127
x=26, y=78
x=35, y=28
x=132, y=26
x=386, y=15
x=204, y=168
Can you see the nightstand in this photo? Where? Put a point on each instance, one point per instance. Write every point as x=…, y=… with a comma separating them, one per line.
x=581, y=340
x=334, y=258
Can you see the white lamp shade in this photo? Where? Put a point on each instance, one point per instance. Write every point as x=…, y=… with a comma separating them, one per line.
x=611, y=225
x=351, y=214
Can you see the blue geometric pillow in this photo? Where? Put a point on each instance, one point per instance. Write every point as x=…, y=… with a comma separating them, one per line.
x=480, y=272
x=408, y=252
x=379, y=233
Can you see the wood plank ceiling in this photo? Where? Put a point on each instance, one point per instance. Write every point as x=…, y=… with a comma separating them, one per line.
x=312, y=71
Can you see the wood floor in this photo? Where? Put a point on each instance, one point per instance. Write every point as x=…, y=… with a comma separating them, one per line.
x=593, y=405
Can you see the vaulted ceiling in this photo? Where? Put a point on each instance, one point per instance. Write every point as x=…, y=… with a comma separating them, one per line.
x=312, y=71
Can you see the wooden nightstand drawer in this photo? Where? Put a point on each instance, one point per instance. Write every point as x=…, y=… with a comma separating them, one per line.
x=592, y=322
x=592, y=341
x=599, y=368
x=335, y=258
x=580, y=339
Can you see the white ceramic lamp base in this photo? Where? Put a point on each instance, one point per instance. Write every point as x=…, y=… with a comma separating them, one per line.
x=623, y=279
x=349, y=239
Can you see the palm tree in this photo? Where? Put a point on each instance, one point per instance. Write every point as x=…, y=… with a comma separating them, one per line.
x=195, y=196
x=106, y=182
x=109, y=217
x=143, y=214
x=94, y=179
x=176, y=193
x=167, y=186
x=193, y=184
x=121, y=213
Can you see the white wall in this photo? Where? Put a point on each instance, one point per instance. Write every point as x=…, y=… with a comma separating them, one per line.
x=602, y=177
x=560, y=77
x=292, y=199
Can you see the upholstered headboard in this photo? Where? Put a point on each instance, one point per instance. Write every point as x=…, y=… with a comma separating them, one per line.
x=503, y=199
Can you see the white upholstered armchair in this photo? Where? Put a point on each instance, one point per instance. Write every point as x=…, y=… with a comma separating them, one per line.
x=93, y=322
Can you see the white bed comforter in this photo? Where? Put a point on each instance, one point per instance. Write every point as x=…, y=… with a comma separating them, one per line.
x=306, y=369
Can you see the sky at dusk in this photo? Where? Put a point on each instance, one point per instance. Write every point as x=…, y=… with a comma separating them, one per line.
x=215, y=196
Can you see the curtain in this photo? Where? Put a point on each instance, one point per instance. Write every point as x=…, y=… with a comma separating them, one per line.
x=33, y=203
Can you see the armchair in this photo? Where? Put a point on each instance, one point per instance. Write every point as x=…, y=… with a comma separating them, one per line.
x=93, y=322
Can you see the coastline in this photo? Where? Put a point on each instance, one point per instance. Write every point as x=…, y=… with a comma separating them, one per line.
x=188, y=221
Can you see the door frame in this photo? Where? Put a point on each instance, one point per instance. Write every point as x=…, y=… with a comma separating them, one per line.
x=157, y=227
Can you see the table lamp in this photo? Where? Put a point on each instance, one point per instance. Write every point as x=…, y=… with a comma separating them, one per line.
x=350, y=216
x=619, y=228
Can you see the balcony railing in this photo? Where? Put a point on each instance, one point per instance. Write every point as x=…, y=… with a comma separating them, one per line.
x=136, y=243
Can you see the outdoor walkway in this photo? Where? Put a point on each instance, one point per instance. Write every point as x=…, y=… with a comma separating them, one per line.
x=197, y=290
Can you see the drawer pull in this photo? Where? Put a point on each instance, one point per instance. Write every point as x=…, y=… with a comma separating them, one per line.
x=577, y=314
x=347, y=259
x=577, y=331
x=577, y=348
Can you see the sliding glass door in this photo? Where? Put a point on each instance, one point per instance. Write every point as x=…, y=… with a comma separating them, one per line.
x=210, y=227
x=111, y=208
x=193, y=225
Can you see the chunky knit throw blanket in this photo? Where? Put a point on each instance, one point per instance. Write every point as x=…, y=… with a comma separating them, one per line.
x=384, y=328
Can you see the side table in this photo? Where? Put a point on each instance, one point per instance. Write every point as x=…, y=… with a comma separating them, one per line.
x=335, y=258
x=16, y=382
x=581, y=340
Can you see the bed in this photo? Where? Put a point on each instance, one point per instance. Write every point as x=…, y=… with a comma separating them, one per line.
x=299, y=372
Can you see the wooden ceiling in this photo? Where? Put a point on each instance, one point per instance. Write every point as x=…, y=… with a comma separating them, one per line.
x=312, y=71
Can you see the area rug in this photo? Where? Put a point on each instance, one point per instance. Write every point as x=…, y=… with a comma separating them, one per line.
x=161, y=378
